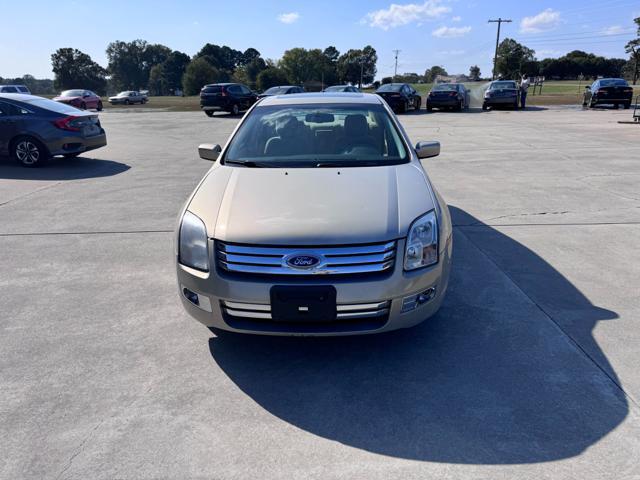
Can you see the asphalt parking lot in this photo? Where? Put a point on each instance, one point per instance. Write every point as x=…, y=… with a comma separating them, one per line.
x=530, y=370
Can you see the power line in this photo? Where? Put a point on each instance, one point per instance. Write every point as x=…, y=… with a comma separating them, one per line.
x=499, y=21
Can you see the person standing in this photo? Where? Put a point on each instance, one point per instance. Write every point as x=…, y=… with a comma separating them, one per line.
x=524, y=86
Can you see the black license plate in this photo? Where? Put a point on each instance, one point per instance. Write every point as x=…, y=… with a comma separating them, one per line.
x=303, y=304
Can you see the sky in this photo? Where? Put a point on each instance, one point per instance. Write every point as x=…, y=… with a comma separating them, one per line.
x=451, y=33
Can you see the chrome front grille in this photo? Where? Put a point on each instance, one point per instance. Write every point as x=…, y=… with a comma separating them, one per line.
x=256, y=311
x=348, y=260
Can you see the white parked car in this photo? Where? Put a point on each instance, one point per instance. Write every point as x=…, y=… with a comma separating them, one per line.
x=317, y=218
x=15, y=89
x=128, y=97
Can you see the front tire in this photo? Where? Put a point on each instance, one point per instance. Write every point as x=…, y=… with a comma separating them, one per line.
x=99, y=107
x=209, y=113
x=29, y=152
x=429, y=107
x=126, y=102
x=235, y=110
x=83, y=106
x=484, y=106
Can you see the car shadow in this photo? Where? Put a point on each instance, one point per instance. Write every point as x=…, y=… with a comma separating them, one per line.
x=62, y=169
x=490, y=379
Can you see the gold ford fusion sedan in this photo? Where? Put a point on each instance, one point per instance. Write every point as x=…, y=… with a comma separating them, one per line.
x=317, y=218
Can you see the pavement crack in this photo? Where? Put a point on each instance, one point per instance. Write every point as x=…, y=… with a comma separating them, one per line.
x=109, y=232
x=571, y=340
x=79, y=449
x=533, y=214
x=46, y=187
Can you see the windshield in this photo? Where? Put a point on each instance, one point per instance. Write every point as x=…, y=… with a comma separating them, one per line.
x=336, y=88
x=503, y=85
x=72, y=93
x=123, y=94
x=446, y=87
x=276, y=90
x=317, y=135
x=390, y=87
x=613, y=82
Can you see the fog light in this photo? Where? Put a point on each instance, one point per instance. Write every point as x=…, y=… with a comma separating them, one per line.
x=414, y=301
x=191, y=296
x=198, y=299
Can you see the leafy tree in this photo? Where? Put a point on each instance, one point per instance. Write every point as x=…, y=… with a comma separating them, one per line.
x=511, y=57
x=474, y=73
x=199, y=73
x=130, y=63
x=75, y=69
x=36, y=86
x=386, y=80
x=358, y=66
x=332, y=55
x=432, y=73
x=633, y=49
x=222, y=57
x=271, y=77
x=249, y=55
x=300, y=65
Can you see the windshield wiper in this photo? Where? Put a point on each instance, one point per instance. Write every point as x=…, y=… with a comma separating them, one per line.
x=244, y=163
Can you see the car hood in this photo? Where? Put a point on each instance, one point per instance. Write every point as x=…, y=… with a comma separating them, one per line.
x=320, y=206
x=65, y=99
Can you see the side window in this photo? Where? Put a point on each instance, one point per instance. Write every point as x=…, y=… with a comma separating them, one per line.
x=9, y=90
x=233, y=89
x=245, y=90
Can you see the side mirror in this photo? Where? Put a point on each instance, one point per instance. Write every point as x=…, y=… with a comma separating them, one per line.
x=209, y=151
x=587, y=87
x=427, y=149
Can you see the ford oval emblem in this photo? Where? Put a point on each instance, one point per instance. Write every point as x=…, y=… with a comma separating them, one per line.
x=303, y=262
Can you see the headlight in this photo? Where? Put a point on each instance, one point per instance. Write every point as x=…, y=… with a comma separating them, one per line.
x=193, y=250
x=422, y=243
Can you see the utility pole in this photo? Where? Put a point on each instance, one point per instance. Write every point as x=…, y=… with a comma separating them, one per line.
x=499, y=21
x=395, y=70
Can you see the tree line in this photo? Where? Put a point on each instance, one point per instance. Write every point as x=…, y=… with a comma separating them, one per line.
x=515, y=60
x=139, y=65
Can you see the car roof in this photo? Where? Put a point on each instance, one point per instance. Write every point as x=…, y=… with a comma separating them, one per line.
x=224, y=84
x=283, y=86
x=322, y=97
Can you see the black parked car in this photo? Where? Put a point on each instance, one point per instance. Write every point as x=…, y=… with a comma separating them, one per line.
x=610, y=91
x=32, y=129
x=227, y=97
x=400, y=96
x=503, y=93
x=448, y=96
x=281, y=90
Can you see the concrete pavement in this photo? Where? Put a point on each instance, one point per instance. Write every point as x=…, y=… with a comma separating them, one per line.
x=530, y=370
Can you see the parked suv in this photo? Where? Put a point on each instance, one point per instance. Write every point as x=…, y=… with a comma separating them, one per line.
x=15, y=89
x=317, y=218
x=227, y=97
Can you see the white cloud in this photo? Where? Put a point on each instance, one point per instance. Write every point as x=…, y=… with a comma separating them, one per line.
x=613, y=30
x=546, y=20
x=450, y=32
x=398, y=15
x=457, y=18
x=289, y=17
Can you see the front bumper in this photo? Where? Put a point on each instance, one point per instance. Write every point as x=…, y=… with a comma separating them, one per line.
x=216, y=288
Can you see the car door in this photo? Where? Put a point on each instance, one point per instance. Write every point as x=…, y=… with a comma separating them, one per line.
x=7, y=126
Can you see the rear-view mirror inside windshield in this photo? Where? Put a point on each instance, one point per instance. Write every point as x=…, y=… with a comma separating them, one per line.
x=319, y=117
